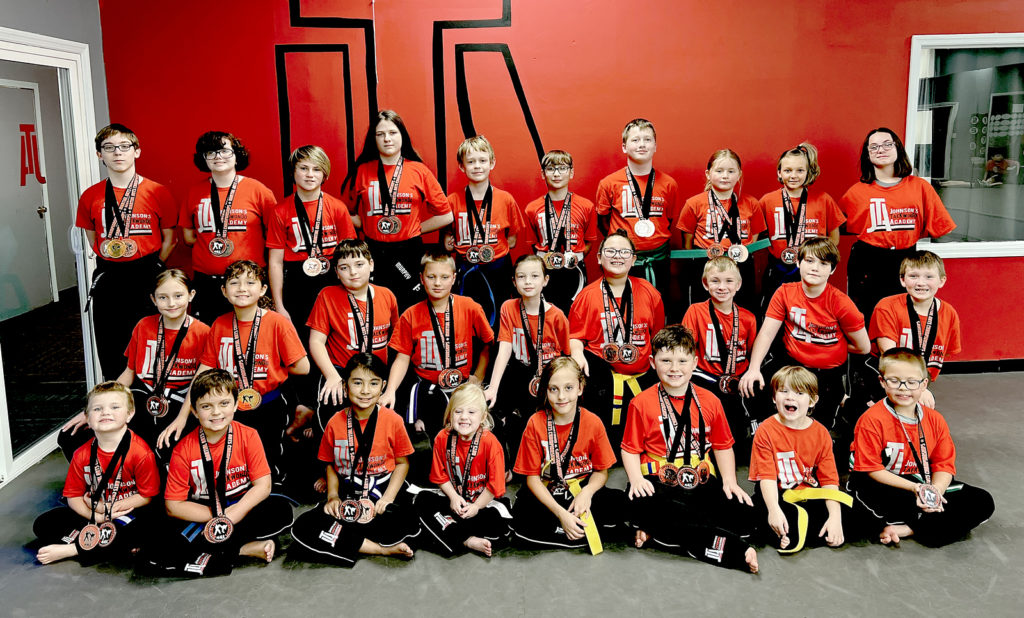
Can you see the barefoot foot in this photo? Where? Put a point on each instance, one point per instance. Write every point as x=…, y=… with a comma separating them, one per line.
x=259, y=549
x=893, y=534
x=641, y=538
x=478, y=545
x=52, y=553
x=402, y=550
x=751, y=557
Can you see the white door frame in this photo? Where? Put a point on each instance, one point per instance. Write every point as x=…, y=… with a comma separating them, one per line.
x=79, y=118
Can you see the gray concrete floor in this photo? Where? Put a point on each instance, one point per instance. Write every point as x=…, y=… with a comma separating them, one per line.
x=983, y=575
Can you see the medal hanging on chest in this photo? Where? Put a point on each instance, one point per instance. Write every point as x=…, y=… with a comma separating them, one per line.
x=389, y=224
x=479, y=223
x=362, y=509
x=923, y=336
x=118, y=215
x=220, y=245
x=561, y=458
x=103, y=493
x=245, y=364
x=927, y=492
x=725, y=224
x=677, y=428
x=644, y=227
x=460, y=476
x=315, y=263
x=558, y=232
x=219, y=528
x=796, y=226
x=157, y=404
x=727, y=353
x=534, y=352
x=618, y=326
x=444, y=344
x=363, y=327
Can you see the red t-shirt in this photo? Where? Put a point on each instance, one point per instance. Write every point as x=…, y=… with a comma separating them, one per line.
x=283, y=231
x=815, y=329
x=505, y=218
x=587, y=319
x=582, y=223
x=615, y=197
x=794, y=458
x=695, y=219
x=556, y=332
x=895, y=217
x=645, y=431
x=488, y=470
x=141, y=475
x=332, y=316
x=880, y=444
x=415, y=336
x=821, y=216
x=141, y=351
x=250, y=213
x=389, y=441
x=891, y=320
x=186, y=477
x=592, y=450
x=420, y=197
x=697, y=320
x=277, y=347
x=154, y=210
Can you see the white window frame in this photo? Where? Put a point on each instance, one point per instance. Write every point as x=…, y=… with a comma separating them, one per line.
x=920, y=45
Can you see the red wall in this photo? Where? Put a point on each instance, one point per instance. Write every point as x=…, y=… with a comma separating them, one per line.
x=756, y=77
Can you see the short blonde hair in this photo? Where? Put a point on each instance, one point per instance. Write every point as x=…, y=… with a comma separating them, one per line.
x=437, y=255
x=313, y=153
x=112, y=387
x=797, y=378
x=923, y=259
x=722, y=263
x=478, y=142
x=468, y=395
x=902, y=355
x=640, y=124
x=556, y=157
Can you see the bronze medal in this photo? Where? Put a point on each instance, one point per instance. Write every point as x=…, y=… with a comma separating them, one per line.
x=789, y=255
x=249, y=399
x=534, y=386
x=312, y=267
x=703, y=472
x=218, y=529
x=366, y=511
x=221, y=247
x=350, y=511
x=115, y=248
x=473, y=255
x=450, y=379
x=486, y=254
x=644, y=228
x=628, y=353
x=739, y=253
x=89, y=537
x=107, y=533
x=157, y=406
x=130, y=247
x=688, y=478
x=727, y=384
x=554, y=260
x=389, y=225
x=325, y=264
x=668, y=474
x=715, y=250
x=929, y=495
x=610, y=351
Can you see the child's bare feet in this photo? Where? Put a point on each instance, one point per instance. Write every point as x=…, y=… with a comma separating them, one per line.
x=320, y=486
x=259, y=549
x=751, y=558
x=302, y=416
x=641, y=538
x=52, y=553
x=784, y=541
x=402, y=550
x=479, y=545
x=893, y=534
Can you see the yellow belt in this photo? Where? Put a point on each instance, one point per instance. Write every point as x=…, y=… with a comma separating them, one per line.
x=652, y=467
x=793, y=496
x=589, y=525
x=619, y=380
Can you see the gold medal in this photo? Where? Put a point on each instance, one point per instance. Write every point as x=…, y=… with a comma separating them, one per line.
x=249, y=399
x=115, y=248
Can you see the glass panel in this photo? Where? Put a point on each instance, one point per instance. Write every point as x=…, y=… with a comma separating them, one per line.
x=40, y=337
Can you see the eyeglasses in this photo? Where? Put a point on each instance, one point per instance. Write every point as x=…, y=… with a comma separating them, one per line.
x=896, y=383
x=223, y=153
x=109, y=148
x=881, y=147
x=561, y=169
x=608, y=252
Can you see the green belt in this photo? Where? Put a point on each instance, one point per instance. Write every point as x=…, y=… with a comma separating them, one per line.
x=703, y=253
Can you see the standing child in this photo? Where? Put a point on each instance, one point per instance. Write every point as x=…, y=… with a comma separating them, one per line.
x=904, y=461
x=534, y=331
x=487, y=220
x=642, y=202
x=793, y=214
x=109, y=482
x=612, y=323
x=708, y=223
x=366, y=449
x=468, y=510
x=724, y=335
x=562, y=226
x=565, y=445
x=437, y=337
x=795, y=471
x=691, y=510
x=218, y=488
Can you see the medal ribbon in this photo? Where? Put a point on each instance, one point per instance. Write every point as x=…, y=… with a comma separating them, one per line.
x=119, y=215
x=222, y=216
x=446, y=350
x=533, y=351
x=729, y=220
x=675, y=426
x=100, y=479
x=559, y=457
x=796, y=225
x=365, y=438
x=364, y=328
x=162, y=369
x=476, y=222
x=923, y=464
x=313, y=239
x=216, y=486
x=459, y=479
x=245, y=364
x=726, y=356
x=927, y=334
x=560, y=231
x=389, y=197
x=614, y=310
x=645, y=201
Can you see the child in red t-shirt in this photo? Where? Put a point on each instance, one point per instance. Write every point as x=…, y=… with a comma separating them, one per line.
x=724, y=334
x=642, y=202
x=469, y=466
x=366, y=451
x=793, y=214
x=820, y=325
x=436, y=336
x=486, y=223
x=110, y=481
x=562, y=226
x=795, y=471
x=690, y=510
x=534, y=331
x=565, y=445
x=904, y=461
